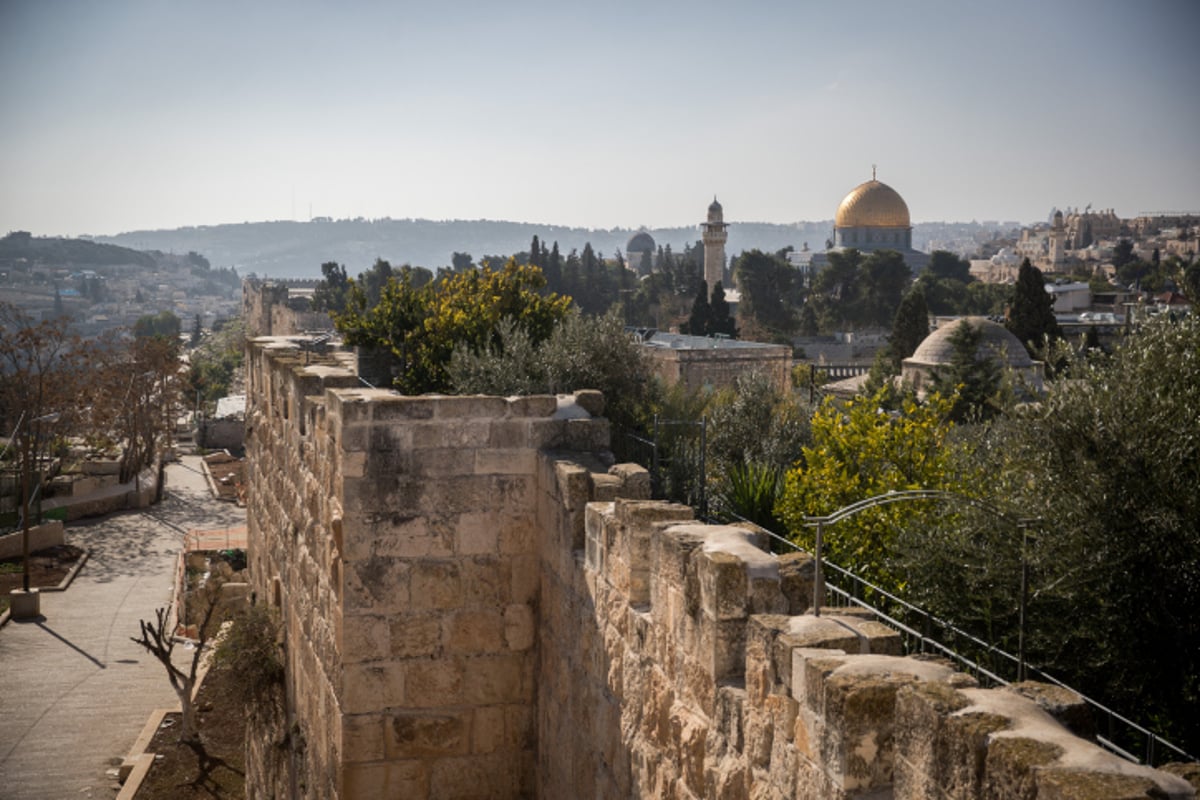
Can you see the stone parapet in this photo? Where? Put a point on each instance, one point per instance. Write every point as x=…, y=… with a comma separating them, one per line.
x=477, y=603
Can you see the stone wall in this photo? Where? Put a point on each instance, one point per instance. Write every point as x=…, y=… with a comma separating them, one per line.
x=677, y=662
x=476, y=604
x=398, y=537
x=272, y=308
x=720, y=363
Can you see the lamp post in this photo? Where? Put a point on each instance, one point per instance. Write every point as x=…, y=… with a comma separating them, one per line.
x=26, y=602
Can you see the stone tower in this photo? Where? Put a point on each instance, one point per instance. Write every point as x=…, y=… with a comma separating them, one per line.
x=714, y=235
x=1058, y=236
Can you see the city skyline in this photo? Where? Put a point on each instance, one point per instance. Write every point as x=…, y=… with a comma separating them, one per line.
x=139, y=115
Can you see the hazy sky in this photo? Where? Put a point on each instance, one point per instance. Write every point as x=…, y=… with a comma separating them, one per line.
x=124, y=115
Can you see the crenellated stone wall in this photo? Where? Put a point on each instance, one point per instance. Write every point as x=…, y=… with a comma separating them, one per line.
x=476, y=603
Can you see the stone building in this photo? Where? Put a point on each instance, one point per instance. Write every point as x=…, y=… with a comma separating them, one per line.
x=936, y=352
x=714, y=233
x=476, y=605
x=700, y=362
x=873, y=216
x=639, y=253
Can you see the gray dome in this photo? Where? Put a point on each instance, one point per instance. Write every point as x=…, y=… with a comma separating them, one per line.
x=937, y=349
x=640, y=242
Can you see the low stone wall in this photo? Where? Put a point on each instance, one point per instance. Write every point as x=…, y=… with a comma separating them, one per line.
x=48, y=534
x=676, y=663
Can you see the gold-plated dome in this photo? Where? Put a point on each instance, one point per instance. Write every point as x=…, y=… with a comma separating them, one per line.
x=872, y=205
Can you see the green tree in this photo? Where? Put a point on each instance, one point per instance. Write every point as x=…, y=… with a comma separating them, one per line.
x=422, y=326
x=331, y=294
x=1110, y=462
x=859, y=451
x=374, y=279
x=973, y=378
x=1122, y=253
x=910, y=326
x=701, y=316
x=770, y=292
x=721, y=322
x=162, y=325
x=1031, y=312
x=197, y=332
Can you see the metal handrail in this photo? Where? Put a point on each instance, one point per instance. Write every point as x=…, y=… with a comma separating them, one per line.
x=927, y=642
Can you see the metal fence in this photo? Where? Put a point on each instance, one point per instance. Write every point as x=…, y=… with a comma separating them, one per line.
x=923, y=632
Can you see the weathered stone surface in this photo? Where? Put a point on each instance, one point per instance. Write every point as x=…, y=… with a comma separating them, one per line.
x=467, y=614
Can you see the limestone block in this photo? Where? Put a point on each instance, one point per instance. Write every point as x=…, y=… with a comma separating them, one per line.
x=469, y=406
x=496, y=775
x=797, y=571
x=511, y=434
x=368, y=687
x=526, y=578
x=939, y=751
x=723, y=584
x=362, y=737
x=415, y=635
x=434, y=683
x=605, y=488
x=436, y=584
x=427, y=734
x=432, y=463
x=476, y=533
x=364, y=638
x=489, y=680
x=591, y=401
x=473, y=631
x=517, y=536
x=496, y=461
x=383, y=438
x=467, y=434
x=597, y=517
x=635, y=480
x=393, y=407
x=519, y=630
x=543, y=405
x=587, y=435
x=485, y=581
x=375, y=585
x=547, y=433
x=385, y=780
x=1061, y=703
x=574, y=485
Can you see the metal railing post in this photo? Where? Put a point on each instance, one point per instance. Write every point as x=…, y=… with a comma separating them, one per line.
x=819, y=574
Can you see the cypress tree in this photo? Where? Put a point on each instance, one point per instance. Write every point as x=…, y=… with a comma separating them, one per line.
x=1031, y=312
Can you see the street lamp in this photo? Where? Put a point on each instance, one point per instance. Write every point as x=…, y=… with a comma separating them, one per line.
x=26, y=602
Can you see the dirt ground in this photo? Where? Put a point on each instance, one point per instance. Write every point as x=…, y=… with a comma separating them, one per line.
x=215, y=767
x=46, y=568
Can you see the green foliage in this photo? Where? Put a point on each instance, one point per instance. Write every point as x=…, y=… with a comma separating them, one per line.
x=972, y=378
x=751, y=492
x=771, y=292
x=1031, y=314
x=422, y=325
x=581, y=353
x=212, y=365
x=164, y=324
x=701, y=316
x=909, y=327
x=859, y=451
x=334, y=290
x=860, y=291
x=251, y=650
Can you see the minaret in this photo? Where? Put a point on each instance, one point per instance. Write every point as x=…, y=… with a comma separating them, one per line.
x=714, y=236
x=1058, y=235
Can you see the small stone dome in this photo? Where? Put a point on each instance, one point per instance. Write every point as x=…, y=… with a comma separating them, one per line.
x=873, y=205
x=938, y=350
x=715, y=212
x=640, y=242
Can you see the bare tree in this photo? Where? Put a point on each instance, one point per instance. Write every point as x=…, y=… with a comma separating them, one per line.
x=160, y=642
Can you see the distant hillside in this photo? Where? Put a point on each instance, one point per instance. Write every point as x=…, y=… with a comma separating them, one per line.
x=56, y=252
x=297, y=249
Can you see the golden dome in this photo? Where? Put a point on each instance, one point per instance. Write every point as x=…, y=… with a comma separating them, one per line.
x=872, y=205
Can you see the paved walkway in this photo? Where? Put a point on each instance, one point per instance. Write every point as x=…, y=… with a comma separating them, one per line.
x=74, y=690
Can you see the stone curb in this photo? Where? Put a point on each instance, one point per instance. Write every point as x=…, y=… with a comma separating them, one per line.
x=61, y=587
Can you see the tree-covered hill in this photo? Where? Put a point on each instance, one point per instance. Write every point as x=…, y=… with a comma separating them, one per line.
x=58, y=252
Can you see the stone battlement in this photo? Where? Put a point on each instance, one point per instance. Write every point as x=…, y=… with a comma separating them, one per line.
x=477, y=603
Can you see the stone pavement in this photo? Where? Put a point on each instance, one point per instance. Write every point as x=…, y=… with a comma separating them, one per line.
x=74, y=690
